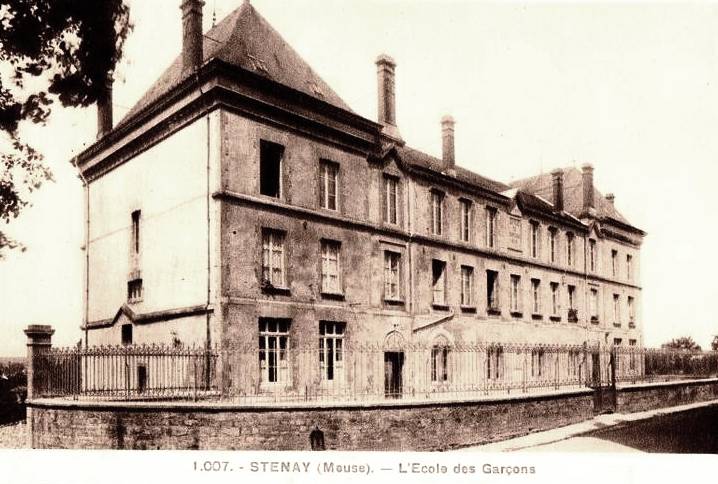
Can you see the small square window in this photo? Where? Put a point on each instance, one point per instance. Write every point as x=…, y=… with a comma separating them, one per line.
x=134, y=290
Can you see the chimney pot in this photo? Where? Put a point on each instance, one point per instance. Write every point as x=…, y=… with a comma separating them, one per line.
x=192, y=55
x=447, y=142
x=587, y=177
x=557, y=183
x=386, y=66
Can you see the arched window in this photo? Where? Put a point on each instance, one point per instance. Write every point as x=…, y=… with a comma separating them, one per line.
x=440, y=360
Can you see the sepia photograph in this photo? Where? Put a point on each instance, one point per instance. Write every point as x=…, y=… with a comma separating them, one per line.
x=460, y=227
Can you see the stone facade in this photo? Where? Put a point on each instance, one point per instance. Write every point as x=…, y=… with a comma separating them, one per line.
x=188, y=161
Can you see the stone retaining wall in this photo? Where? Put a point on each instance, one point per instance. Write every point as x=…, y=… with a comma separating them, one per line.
x=396, y=426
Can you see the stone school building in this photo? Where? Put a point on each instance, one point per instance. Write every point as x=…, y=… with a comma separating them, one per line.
x=242, y=204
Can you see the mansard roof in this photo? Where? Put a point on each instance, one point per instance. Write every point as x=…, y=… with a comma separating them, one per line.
x=246, y=40
x=542, y=186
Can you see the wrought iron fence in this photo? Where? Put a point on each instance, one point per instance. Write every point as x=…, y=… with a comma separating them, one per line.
x=133, y=372
x=336, y=372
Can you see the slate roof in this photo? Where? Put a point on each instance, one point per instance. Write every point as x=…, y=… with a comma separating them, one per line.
x=422, y=160
x=246, y=40
x=541, y=185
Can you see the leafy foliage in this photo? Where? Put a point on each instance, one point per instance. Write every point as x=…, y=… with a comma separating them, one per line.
x=59, y=50
x=682, y=343
x=714, y=343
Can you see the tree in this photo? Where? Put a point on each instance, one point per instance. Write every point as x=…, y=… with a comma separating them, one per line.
x=682, y=343
x=50, y=51
x=714, y=343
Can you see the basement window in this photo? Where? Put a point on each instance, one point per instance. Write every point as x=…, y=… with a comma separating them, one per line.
x=270, y=169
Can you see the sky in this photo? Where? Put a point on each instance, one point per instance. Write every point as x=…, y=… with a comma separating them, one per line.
x=630, y=88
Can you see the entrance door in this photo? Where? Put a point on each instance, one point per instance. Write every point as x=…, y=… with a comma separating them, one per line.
x=393, y=365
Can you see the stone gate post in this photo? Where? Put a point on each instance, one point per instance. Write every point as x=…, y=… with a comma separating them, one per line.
x=39, y=339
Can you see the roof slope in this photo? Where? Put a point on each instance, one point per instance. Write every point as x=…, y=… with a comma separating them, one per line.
x=245, y=39
x=541, y=185
x=420, y=159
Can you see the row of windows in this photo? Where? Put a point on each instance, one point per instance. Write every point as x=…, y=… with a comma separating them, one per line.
x=271, y=155
x=274, y=274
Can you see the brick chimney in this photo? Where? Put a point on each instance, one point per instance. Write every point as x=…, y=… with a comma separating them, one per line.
x=192, y=55
x=557, y=184
x=385, y=67
x=587, y=177
x=447, y=142
x=104, y=109
x=611, y=198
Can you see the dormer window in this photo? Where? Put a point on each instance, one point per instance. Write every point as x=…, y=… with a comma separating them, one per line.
x=466, y=213
x=592, y=255
x=491, y=214
x=535, y=236
x=391, y=199
x=437, y=212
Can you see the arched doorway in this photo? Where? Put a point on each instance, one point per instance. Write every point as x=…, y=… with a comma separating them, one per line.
x=393, y=365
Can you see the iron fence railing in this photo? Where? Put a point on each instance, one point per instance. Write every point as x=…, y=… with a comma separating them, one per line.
x=333, y=371
x=125, y=372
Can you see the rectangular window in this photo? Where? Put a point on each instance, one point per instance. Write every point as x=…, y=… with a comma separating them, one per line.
x=126, y=334
x=617, y=341
x=328, y=184
x=439, y=363
x=592, y=255
x=554, y=298
x=494, y=363
x=616, y=310
x=466, y=212
x=631, y=311
x=515, y=297
x=614, y=262
x=536, y=296
x=437, y=209
x=136, y=231
x=629, y=267
x=467, y=286
x=574, y=362
x=331, y=267
x=492, y=291
x=331, y=350
x=273, y=350
x=391, y=199
x=571, y=297
x=392, y=274
x=594, y=305
x=270, y=169
x=570, y=249
x=538, y=357
x=491, y=215
x=632, y=343
x=535, y=237
x=273, y=271
x=438, y=272
x=134, y=290
x=552, y=243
